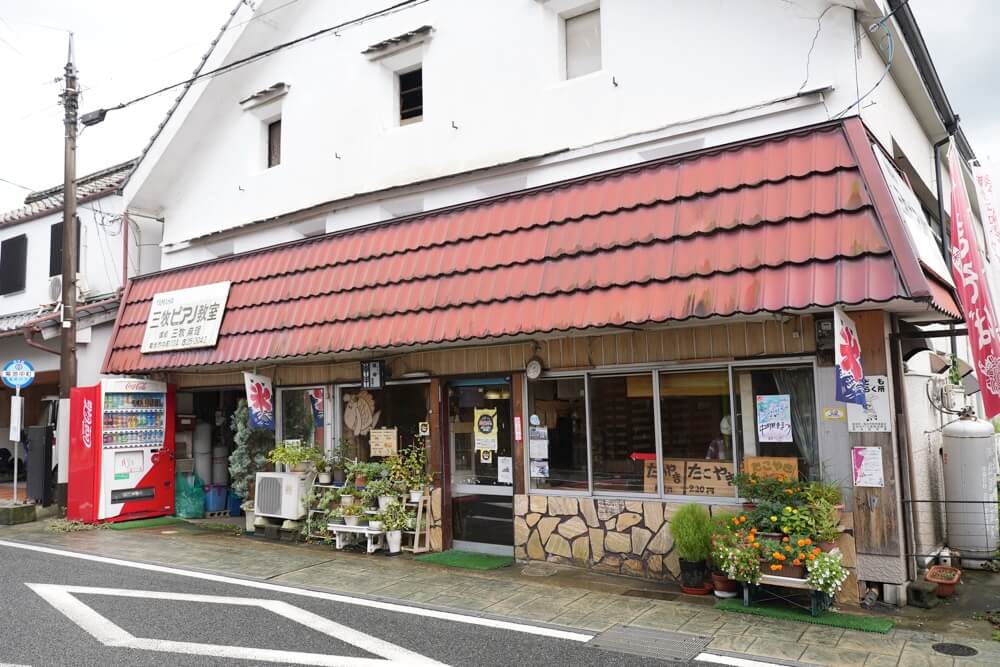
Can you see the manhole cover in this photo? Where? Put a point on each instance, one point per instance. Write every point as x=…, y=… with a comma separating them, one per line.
x=539, y=570
x=673, y=646
x=955, y=649
x=652, y=595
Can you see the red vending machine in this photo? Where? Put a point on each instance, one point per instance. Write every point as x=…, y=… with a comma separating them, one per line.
x=121, y=451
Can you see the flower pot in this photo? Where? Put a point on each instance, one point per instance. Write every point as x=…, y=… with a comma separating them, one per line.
x=339, y=520
x=704, y=589
x=724, y=586
x=693, y=574
x=338, y=475
x=385, y=501
x=346, y=500
x=352, y=520
x=250, y=517
x=395, y=540
x=415, y=496
x=374, y=524
x=324, y=478
x=301, y=467
x=827, y=547
x=360, y=480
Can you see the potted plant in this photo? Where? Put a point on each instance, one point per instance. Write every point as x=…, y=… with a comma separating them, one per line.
x=691, y=529
x=294, y=456
x=417, y=478
x=323, y=471
x=347, y=495
x=824, y=524
x=945, y=577
x=826, y=572
x=249, y=456
x=394, y=518
x=336, y=515
x=351, y=514
x=723, y=539
x=383, y=491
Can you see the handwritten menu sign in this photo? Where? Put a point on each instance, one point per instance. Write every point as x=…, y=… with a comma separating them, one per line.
x=774, y=418
x=771, y=466
x=692, y=477
x=382, y=441
x=709, y=478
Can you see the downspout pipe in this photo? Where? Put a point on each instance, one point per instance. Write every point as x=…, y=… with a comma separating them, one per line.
x=28, y=338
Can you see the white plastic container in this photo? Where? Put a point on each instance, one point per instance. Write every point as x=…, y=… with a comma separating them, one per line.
x=203, y=439
x=203, y=466
x=970, y=487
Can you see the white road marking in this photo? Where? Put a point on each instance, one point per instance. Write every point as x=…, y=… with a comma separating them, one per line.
x=513, y=626
x=732, y=661
x=64, y=599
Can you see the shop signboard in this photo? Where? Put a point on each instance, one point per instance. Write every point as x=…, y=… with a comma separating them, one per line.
x=486, y=428
x=185, y=319
x=771, y=466
x=774, y=418
x=847, y=359
x=382, y=441
x=866, y=464
x=709, y=478
x=875, y=417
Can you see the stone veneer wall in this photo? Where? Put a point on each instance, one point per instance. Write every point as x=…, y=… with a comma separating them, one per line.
x=629, y=537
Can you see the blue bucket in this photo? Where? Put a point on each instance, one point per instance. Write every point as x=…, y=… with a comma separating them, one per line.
x=234, y=505
x=215, y=498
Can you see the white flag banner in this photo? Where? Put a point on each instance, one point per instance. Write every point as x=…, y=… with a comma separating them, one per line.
x=991, y=225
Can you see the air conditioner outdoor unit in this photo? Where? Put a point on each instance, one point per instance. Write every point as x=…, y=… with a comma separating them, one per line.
x=281, y=495
x=55, y=288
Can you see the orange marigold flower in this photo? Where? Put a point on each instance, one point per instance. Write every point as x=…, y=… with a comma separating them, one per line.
x=808, y=541
x=788, y=547
x=812, y=556
x=775, y=567
x=776, y=554
x=816, y=550
x=780, y=556
x=796, y=562
x=801, y=543
x=736, y=521
x=784, y=539
x=801, y=555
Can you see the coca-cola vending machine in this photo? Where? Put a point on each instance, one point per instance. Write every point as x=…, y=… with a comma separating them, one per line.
x=121, y=451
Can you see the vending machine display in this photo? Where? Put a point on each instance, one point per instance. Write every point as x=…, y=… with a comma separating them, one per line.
x=121, y=451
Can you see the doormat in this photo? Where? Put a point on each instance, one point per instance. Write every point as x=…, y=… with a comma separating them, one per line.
x=831, y=618
x=466, y=560
x=147, y=523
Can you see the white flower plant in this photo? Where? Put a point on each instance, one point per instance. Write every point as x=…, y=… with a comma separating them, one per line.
x=826, y=572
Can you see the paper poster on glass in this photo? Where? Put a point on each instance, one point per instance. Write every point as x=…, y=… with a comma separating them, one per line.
x=485, y=428
x=774, y=418
x=866, y=464
x=538, y=442
x=539, y=468
x=505, y=470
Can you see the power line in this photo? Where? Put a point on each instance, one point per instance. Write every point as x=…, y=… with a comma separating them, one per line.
x=266, y=52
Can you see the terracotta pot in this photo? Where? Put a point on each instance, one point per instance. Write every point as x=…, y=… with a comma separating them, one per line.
x=704, y=590
x=827, y=546
x=360, y=480
x=945, y=590
x=724, y=586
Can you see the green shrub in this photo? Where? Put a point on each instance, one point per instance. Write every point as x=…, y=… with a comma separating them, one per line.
x=691, y=528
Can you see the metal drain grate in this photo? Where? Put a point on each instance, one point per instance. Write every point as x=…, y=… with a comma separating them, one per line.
x=673, y=646
x=960, y=650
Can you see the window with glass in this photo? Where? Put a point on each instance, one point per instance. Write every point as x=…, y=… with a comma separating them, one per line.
x=775, y=415
x=557, y=434
x=583, y=43
x=303, y=415
x=622, y=436
x=399, y=406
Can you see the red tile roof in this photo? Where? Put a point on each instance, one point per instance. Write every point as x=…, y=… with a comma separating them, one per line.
x=781, y=223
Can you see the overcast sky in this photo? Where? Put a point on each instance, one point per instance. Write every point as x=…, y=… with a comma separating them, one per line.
x=128, y=47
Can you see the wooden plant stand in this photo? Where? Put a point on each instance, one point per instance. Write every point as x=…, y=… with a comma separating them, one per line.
x=420, y=536
x=770, y=587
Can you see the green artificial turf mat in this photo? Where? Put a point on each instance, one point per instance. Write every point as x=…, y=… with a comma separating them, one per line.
x=466, y=560
x=146, y=523
x=831, y=618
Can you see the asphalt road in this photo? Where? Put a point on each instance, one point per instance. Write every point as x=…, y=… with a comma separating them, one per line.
x=178, y=620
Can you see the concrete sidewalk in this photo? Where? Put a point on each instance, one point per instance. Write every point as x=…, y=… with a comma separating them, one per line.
x=537, y=592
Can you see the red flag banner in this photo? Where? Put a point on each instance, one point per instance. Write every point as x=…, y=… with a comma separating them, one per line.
x=973, y=289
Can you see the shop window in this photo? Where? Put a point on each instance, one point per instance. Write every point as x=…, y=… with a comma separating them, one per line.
x=583, y=43
x=776, y=415
x=557, y=434
x=697, y=434
x=303, y=416
x=399, y=406
x=622, y=436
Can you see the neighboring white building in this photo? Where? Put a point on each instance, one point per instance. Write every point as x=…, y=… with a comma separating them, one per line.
x=31, y=282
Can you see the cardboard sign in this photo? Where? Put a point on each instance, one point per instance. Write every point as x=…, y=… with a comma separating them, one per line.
x=382, y=441
x=771, y=466
x=709, y=478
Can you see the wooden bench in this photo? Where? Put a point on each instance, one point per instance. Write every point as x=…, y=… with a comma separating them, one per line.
x=347, y=535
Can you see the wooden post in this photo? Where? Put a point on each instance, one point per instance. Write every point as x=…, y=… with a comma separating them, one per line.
x=437, y=416
x=517, y=399
x=876, y=519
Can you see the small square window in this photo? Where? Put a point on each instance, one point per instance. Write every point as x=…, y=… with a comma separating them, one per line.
x=411, y=96
x=13, y=263
x=274, y=143
x=583, y=44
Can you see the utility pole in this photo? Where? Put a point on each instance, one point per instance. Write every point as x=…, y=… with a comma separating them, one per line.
x=67, y=339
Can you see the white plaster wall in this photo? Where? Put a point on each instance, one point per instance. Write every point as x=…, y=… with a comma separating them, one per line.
x=492, y=69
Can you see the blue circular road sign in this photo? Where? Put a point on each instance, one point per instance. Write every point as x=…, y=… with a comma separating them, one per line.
x=18, y=373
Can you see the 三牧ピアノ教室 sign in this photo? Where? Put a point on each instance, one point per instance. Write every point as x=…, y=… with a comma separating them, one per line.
x=185, y=319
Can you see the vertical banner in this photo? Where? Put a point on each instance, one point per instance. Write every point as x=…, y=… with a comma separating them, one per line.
x=318, y=406
x=973, y=290
x=260, y=400
x=847, y=351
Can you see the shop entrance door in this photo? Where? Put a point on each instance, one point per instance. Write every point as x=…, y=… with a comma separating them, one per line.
x=481, y=450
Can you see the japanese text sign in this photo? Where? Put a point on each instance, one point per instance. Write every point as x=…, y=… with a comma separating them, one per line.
x=709, y=478
x=973, y=290
x=18, y=373
x=185, y=319
x=382, y=441
x=774, y=418
x=875, y=416
x=772, y=466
